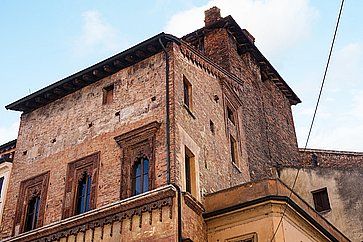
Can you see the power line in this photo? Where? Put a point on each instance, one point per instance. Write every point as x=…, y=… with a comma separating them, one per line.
x=315, y=111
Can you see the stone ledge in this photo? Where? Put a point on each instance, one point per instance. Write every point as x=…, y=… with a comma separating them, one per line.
x=117, y=211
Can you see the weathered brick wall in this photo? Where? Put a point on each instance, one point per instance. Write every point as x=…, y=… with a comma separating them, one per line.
x=332, y=159
x=345, y=191
x=266, y=112
x=216, y=170
x=68, y=121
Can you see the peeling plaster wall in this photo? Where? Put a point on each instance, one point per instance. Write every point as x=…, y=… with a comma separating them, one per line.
x=345, y=192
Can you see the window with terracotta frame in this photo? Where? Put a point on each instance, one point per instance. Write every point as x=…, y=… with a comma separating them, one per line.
x=140, y=176
x=108, y=94
x=137, y=160
x=31, y=203
x=81, y=186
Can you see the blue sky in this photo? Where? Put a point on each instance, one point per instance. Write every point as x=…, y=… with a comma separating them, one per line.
x=44, y=41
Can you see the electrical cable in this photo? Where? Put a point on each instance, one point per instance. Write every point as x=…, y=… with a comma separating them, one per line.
x=315, y=111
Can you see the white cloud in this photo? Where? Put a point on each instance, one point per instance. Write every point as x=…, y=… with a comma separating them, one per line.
x=339, y=121
x=97, y=36
x=346, y=66
x=9, y=133
x=276, y=24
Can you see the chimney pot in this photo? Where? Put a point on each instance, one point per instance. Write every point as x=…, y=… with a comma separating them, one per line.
x=212, y=15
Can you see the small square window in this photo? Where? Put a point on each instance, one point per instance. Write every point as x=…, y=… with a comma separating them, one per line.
x=321, y=200
x=108, y=94
x=187, y=88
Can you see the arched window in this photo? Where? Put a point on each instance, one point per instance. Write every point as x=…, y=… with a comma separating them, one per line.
x=84, y=194
x=141, y=176
x=32, y=213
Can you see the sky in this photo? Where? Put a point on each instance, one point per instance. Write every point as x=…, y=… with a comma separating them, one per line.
x=44, y=41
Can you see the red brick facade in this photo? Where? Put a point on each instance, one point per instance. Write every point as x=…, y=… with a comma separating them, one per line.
x=132, y=124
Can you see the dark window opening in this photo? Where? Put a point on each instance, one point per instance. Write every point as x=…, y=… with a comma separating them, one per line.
x=321, y=200
x=187, y=93
x=108, y=94
x=188, y=182
x=1, y=185
x=84, y=194
x=141, y=176
x=211, y=126
x=314, y=159
x=230, y=115
x=32, y=214
x=233, y=144
x=190, y=173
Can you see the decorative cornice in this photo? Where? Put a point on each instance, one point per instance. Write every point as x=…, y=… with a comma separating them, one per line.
x=92, y=74
x=133, y=136
x=118, y=211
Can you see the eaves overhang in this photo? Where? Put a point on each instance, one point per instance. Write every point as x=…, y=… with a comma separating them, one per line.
x=8, y=146
x=92, y=74
x=246, y=44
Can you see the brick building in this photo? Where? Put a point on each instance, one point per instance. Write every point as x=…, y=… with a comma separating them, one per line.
x=7, y=152
x=173, y=139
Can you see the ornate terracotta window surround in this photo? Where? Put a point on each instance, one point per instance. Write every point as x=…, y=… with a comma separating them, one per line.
x=75, y=173
x=135, y=145
x=35, y=187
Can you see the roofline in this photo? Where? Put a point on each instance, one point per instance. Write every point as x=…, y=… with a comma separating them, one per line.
x=286, y=199
x=21, y=104
x=335, y=152
x=277, y=197
x=8, y=144
x=228, y=21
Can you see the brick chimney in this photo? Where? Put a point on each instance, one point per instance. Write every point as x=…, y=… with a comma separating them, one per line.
x=212, y=15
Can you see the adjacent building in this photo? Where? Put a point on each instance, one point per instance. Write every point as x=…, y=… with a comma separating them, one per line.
x=174, y=139
x=7, y=152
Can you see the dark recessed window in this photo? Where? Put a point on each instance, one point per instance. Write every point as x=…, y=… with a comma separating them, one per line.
x=188, y=179
x=32, y=214
x=84, y=194
x=321, y=200
x=1, y=185
x=81, y=186
x=230, y=115
x=108, y=94
x=187, y=92
x=211, y=126
x=141, y=176
x=233, y=144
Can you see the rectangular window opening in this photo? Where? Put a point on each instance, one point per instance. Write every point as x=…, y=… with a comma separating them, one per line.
x=230, y=115
x=321, y=200
x=233, y=144
x=190, y=176
x=187, y=88
x=108, y=94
